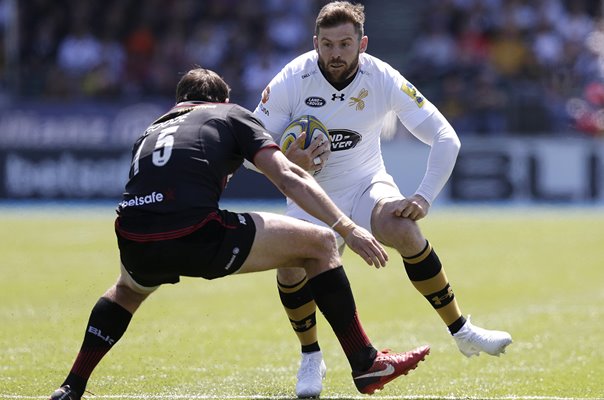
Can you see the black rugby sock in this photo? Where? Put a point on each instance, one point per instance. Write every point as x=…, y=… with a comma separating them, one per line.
x=108, y=322
x=332, y=293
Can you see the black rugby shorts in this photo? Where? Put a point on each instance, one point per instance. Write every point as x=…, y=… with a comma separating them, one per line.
x=216, y=249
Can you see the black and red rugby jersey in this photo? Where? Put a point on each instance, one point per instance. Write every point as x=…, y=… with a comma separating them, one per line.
x=181, y=165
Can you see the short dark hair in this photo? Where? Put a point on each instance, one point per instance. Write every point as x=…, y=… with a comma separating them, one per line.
x=200, y=84
x=341, y=12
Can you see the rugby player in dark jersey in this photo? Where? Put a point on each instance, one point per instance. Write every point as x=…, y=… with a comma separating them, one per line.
x=169, y=225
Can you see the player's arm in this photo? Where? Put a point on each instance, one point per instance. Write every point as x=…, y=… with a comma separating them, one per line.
x=275, y=111
x=437, y=132
x=311, y=159
x=444, y=148
x=427, y=124
x=299, y=186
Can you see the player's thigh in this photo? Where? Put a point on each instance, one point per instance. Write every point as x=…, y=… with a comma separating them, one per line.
x=381, y=187
x=125, y=279
x=282, y=241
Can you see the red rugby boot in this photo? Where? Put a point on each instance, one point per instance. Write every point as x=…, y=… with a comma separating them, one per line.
x=386, y=367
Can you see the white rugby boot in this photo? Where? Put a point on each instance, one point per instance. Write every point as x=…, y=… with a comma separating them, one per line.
x=310, y=375
x=472, y=339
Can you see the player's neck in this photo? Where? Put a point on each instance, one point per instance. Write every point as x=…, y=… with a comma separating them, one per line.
x=339, y=85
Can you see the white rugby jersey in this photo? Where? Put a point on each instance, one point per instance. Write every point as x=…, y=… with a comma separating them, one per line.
x=353, y=115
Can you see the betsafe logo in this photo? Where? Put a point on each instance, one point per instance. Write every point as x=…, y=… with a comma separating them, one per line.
x=136, y=201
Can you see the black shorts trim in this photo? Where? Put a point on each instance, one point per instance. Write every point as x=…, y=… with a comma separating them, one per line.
x=217, y=248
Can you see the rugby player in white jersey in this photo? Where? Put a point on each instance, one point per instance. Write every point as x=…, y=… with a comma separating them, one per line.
x=351, y=92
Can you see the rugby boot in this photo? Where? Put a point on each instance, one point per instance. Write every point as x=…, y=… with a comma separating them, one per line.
x=64, y=393
x=386, y=367
x=472, y=339
x=310, y=375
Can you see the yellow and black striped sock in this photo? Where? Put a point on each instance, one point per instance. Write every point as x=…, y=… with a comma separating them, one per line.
x=428, y=276
x=301, y=310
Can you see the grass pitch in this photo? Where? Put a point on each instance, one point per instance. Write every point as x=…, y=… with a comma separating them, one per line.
x=537, y=273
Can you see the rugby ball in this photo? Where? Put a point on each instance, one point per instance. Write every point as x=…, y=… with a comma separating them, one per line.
x=315, y=130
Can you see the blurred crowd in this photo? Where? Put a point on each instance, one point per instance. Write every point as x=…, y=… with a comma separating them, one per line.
x=139, y=48
x=497, y=66
x=492, y=66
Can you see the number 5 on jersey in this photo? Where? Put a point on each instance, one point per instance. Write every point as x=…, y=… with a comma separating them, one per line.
x=162, y=151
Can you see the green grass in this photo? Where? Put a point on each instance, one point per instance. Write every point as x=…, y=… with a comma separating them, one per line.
x=537, y=273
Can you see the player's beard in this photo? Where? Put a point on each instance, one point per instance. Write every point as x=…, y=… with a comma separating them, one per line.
x=339, y=74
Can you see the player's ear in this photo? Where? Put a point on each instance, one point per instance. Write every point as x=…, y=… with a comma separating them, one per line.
x=363, y=44
x=315, y=42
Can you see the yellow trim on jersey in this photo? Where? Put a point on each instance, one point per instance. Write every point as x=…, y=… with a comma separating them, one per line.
x=411, y=91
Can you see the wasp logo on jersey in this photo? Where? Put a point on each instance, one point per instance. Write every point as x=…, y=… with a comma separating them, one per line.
x=412, y=92
x=358, y=101
x=344, y=139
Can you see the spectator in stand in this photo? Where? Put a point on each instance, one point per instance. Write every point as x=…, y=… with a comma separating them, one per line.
x=548, y=45
x=260, y=67
x=576, y=24
x=207, y=45
x=106, y=79
x=522, y=14
x=169, y=56
x=472, y=44
x=509, y=54
x=434, y=52
x=453, y=89
x=140, y=45
x=80, y=51
x=488, y=106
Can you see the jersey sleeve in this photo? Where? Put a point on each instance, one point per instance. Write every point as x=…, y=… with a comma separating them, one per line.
x=411, y=107
x=443, y=154
x=249, y=132
x=274, y=108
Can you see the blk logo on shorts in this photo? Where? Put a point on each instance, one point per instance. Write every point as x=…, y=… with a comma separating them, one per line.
x=233, y=257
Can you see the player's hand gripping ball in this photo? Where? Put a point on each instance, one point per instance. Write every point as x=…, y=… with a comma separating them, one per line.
x=315, y=130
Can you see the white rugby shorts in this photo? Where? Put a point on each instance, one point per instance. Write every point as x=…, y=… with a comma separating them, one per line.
x=356, y=202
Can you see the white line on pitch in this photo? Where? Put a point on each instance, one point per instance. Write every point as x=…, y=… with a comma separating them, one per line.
x=208, y=397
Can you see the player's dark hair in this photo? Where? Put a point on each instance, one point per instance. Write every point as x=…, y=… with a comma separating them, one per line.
x=200, y=84
x=341, y=12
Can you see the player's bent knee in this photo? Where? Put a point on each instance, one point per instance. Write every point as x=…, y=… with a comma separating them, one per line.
x=290, y=276
x=407, y=225
x=388, y=219
x=396, y=232
x=326, y=240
